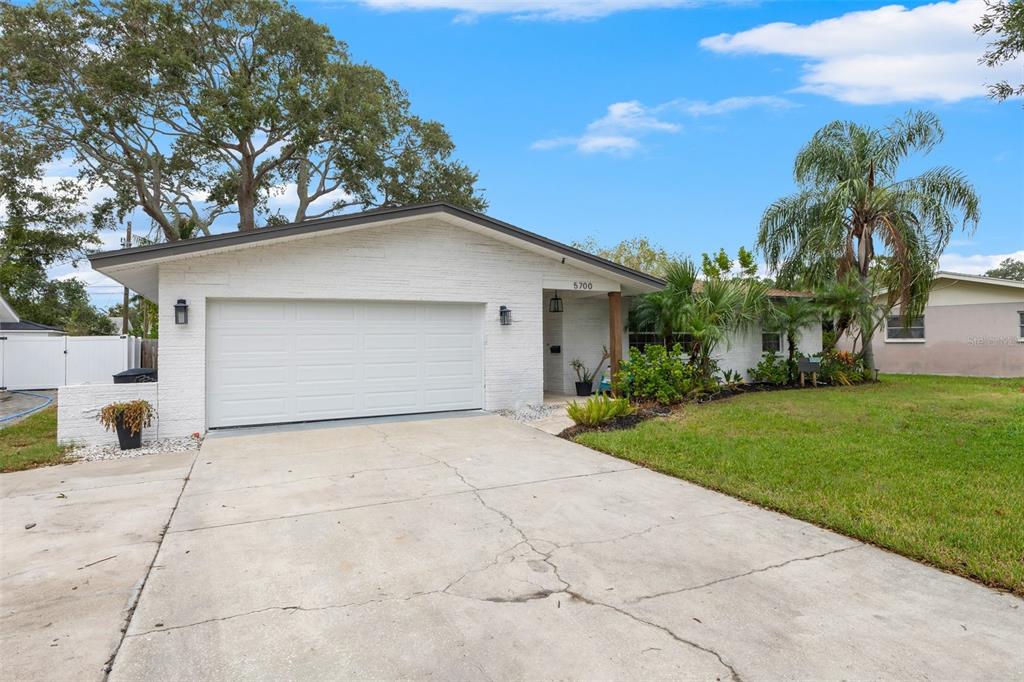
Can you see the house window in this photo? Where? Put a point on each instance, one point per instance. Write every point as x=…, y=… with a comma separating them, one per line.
x=1020, y=330
x=895, y=330
x=771, y=342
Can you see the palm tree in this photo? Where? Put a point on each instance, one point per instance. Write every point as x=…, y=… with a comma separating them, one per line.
x=848, y=303
x=790, y=318
x=657, y=311
x=849, y=196
x=718, y=308
x=660, y=310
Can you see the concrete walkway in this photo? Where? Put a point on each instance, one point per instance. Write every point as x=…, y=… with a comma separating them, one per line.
x=477, y=547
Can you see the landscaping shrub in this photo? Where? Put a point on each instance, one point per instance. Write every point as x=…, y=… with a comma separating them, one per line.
x=771, y=370
x=598, y=409
x=841, y=367
x=656, y=375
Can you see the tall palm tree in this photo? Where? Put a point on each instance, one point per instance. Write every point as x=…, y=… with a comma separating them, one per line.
x=850, y=196
x=790, y=318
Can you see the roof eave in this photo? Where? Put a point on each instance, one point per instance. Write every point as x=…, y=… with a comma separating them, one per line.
x=156, y=252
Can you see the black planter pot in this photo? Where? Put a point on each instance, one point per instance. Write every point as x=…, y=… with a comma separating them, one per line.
x=126, y=439
x=584, y=388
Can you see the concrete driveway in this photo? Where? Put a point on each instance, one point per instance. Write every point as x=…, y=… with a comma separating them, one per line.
x=475, y=547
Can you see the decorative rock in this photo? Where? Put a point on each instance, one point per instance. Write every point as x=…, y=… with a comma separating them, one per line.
x=531, y=413
x=92, y=453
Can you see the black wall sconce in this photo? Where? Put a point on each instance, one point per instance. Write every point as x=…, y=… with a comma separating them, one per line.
x=555, y=304
x=181, y=312
x=505, y=314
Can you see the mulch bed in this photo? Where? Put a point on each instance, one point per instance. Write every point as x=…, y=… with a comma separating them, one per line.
x=652, y=410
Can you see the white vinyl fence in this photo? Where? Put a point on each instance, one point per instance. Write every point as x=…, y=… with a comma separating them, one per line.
x=52, y=361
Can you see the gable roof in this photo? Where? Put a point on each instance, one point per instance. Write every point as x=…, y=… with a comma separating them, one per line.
x=26, y=326
x=980, y=279
x=155, y=252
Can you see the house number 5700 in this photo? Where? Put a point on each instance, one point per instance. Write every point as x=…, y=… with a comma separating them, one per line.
x=583, y=285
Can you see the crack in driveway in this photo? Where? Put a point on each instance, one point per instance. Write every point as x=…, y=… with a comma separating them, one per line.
x=133, y=601
x=763, y=569
x=567, y=587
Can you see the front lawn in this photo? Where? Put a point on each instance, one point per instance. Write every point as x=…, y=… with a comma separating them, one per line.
x=30, y=443
x=930, y=467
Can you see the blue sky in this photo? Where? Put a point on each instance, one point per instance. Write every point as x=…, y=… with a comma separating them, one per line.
x=614, y=119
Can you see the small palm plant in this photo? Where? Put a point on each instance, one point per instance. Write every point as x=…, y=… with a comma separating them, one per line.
x=790, y=318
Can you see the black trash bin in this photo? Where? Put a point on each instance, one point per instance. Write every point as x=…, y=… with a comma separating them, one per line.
x=139, y=375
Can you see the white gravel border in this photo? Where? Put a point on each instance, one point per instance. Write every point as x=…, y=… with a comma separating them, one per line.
x=531, y=413
x=93, y=453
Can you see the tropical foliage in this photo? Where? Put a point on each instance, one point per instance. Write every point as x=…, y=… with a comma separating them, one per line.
x=707, y=311
x=790, y=318
x=598, y=410
x=656, y=375
x=772, y=370
x=851, y=202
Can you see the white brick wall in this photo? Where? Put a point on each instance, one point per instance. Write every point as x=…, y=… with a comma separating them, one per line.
x=419, y=260
x=78, y=409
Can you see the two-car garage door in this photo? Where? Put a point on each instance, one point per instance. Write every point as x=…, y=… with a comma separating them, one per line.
x=271, y=361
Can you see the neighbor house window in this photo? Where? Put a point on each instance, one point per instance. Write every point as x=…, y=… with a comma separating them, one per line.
x=771, y=342
x=896, y=330
x=1021, y=329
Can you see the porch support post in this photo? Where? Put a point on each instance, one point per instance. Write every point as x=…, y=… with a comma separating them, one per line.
x=614, y=332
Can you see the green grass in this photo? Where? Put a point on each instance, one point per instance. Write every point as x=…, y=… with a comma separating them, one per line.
x=31, y=443
x=930, y=467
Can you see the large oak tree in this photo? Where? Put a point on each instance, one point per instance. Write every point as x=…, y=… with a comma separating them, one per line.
x=196, y=109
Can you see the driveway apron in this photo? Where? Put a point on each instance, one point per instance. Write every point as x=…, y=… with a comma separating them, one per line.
x=475, y=547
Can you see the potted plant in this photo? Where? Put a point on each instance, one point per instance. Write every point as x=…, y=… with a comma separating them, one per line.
x=584, y=376
x=127, y=419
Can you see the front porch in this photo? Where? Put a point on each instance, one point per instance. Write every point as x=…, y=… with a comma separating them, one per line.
x=580, y=325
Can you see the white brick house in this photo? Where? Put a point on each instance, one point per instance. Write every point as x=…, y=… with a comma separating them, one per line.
x=391, y=311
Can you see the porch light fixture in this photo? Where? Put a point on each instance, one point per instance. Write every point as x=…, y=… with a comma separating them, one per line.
x=505, y=314
x=181, y=312
x=555, y=304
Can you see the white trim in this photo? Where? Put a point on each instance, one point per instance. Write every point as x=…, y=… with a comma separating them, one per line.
x=906, y=340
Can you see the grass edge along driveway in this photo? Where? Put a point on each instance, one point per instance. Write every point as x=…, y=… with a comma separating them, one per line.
x=929, y=467
x=31, y=442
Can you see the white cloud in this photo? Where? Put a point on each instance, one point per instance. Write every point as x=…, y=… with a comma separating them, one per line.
x=620, y=130
x=90, y=278
x=976, y=264
x=730, y=104
x=890, y=54
x=561, y=10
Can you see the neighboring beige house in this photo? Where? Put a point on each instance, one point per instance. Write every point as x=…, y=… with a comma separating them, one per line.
x=972, y=326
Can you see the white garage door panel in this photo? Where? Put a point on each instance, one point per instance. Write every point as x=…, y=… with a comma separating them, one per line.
x=283, y=361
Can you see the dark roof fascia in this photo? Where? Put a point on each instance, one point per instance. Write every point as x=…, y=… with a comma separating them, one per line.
x=142, y=254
